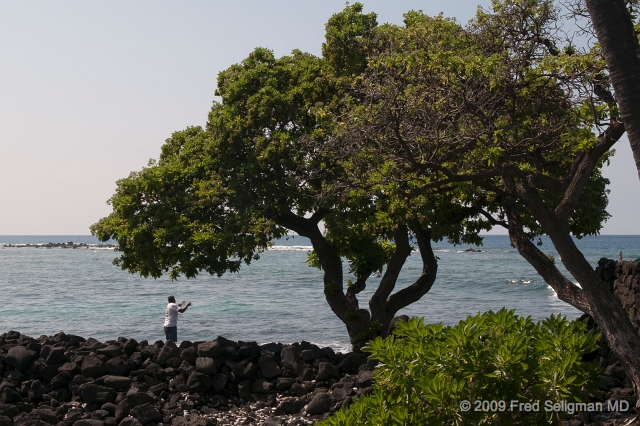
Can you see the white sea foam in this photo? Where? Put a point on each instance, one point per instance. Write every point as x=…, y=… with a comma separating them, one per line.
x=519, y=280
x=291, y=248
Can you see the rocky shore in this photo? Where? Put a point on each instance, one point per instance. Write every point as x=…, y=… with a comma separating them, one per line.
x=69, y=381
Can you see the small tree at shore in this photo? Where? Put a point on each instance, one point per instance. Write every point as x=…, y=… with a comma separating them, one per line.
x=218, y=196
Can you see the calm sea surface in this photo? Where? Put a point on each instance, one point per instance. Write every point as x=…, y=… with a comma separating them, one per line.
x=275, y=299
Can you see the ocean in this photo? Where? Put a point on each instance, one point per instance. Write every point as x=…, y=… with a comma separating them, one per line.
x=277, y=298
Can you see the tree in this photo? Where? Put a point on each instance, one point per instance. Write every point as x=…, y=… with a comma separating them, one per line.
x=618, y=40
x=500, y=110
x=218, y=196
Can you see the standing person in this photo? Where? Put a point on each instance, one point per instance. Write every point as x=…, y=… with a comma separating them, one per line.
x=620, y=257
x=171, y=318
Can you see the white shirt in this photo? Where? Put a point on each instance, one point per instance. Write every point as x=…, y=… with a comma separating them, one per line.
x=171, y=315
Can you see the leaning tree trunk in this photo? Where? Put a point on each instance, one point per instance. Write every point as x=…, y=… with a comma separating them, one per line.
x=356, y=320
x=605, y=307
x=619, y=43
x=565, y=289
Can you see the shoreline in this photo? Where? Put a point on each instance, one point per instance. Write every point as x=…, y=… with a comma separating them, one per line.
x=69, y=380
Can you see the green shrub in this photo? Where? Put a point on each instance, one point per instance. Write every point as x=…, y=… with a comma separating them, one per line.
x=426, y=371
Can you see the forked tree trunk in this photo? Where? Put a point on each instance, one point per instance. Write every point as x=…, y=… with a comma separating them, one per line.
x=383, y=304
x=619, y=43
x=361, y=325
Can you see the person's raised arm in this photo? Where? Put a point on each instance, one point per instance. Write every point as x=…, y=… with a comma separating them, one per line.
x=181, y=310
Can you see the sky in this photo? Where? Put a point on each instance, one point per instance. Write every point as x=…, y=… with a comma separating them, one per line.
x=89, y=92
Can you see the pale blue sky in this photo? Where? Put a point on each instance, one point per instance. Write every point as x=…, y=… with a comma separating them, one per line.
x=89, y=91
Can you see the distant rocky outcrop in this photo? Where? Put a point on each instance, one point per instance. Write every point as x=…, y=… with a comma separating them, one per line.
x=68, y=245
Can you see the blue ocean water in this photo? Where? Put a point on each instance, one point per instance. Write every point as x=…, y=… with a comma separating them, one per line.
x=276, y=298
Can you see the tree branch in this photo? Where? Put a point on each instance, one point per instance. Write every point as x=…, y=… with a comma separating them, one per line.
x=584, y=169
x=415, y=291
x=565, y=289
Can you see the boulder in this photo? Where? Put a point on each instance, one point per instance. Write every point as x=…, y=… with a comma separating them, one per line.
x=154, y=370
x=20, y=357
x=92, y=393
x=35, y=391
x=262, y=386
x=308, y=355
x=110, y=351
x=364, y=379
x=92, y=366
x=289, y=357
x=307, y=373
x=130, y=346
x=190, y=355
x=249, y=350
x=159, y=388
x=47, y=415
x=117, y=382
x=117, y=366
x=186, y=368
x=244, y=389
x=100, y=414
x=194, y=420
x=168, y=351
x=245, y=370
x=73, y=415
x=199, y=382
x=299, y=389
x=339, y=394
x=62, y=394
x=205, y=365
x=291, y=406
x=130, y=421
x=327, y=370
x=274, y=348
x=88, y=422
x=321, y=403
x=61, y=380
x=29, y=419
x=209, y=349
x=56, y=356
x=71, y=367
x=352, y=362
x=269, y=368
x=9, y=410
x=146, y=413
x=219, y=381
x=329, y=353
x=9, y=396
x=124, y=407
x=173, y=362
x=284, y=383
x=45, y=371
x=110, y=408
